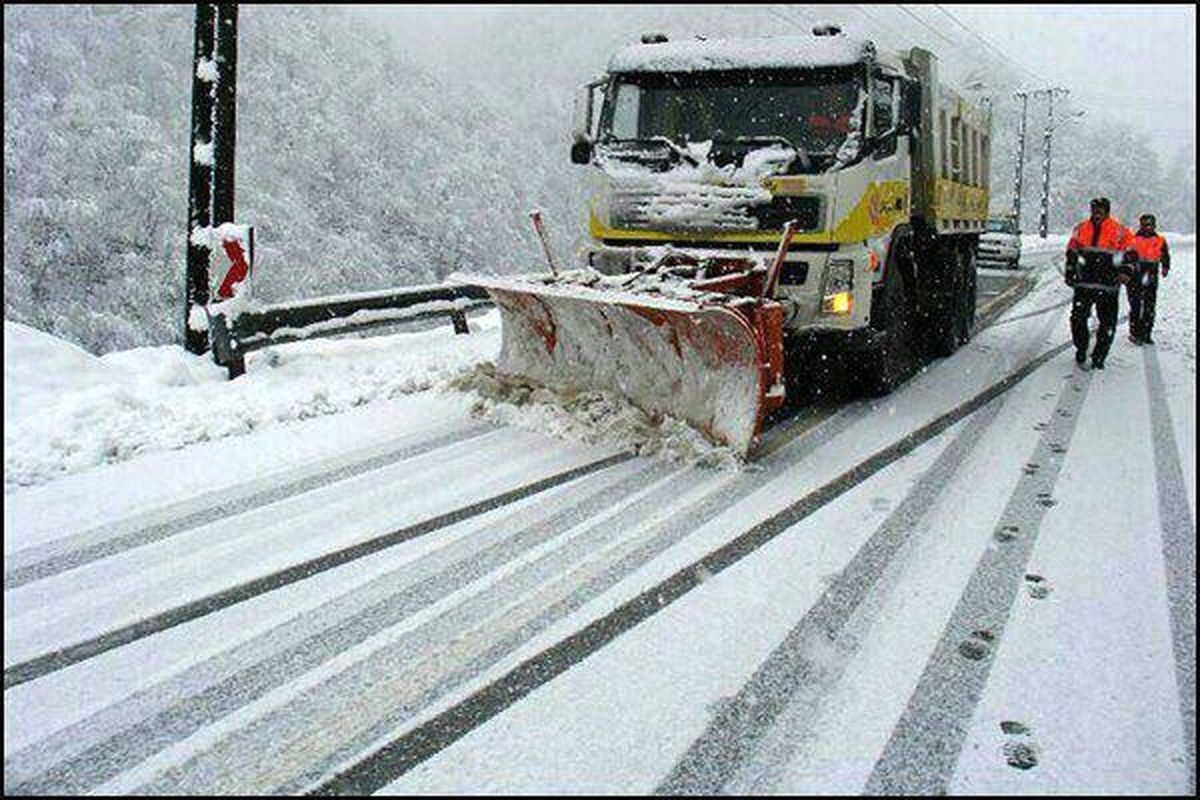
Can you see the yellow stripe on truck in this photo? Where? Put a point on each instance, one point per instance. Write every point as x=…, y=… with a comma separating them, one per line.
x=881, y=208
x=953, y=200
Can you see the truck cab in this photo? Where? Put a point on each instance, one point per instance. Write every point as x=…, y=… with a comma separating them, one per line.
x=705, y=149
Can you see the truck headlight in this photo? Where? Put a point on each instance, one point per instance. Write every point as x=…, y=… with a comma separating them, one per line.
x=839, y=283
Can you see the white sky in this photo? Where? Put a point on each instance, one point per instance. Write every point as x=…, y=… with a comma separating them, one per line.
x=1133, y=62
x=1138, y=62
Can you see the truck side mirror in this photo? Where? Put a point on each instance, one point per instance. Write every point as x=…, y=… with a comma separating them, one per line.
x=581, y=152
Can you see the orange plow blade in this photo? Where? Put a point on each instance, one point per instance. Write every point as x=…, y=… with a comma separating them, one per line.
x=715, y=365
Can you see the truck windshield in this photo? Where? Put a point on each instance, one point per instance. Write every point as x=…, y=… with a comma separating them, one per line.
x=814, y=109
x=1000, y=226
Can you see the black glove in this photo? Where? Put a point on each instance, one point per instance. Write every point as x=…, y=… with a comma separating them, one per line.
x=1069, y=276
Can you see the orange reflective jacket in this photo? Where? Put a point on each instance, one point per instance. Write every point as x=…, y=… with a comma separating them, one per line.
x=1112, y=238
x=1149, y=248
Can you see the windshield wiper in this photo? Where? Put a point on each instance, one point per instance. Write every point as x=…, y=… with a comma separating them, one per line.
x=797, y=149
x=675, y=148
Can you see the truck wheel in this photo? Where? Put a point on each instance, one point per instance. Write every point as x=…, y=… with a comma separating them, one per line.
x=966, y=318
x=892, y=316
x=944, y=320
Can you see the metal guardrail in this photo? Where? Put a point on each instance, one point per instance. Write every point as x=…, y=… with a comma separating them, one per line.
x=329, y=316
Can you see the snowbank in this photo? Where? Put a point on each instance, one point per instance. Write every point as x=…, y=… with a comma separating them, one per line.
x=66, y=410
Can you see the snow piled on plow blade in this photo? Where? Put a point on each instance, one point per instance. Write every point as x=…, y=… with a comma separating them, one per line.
x=592, y=417
x=667, y=356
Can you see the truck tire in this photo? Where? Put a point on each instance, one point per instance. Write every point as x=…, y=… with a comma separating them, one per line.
x=966, y=317
x=892, y=317
x=943, y=321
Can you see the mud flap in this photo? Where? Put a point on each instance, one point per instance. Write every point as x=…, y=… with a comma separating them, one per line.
x=704, y=364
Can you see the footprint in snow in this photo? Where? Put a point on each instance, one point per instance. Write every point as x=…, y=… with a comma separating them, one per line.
x=1045, y=500
x=1057, y=447
x=1021, y=755
x=977, y=646
x=1020, y=752
x=1031, y=467
x=1006, y=533
x=1037, y=586
x=1039, y=426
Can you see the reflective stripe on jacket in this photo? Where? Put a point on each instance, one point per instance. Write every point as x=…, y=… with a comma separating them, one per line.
x=1102, y=249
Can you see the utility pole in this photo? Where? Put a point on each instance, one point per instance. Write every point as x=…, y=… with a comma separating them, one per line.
x=211, y=155
x=200, y=174
x=1024, y=98
x=225, y=116
x=1046, y=139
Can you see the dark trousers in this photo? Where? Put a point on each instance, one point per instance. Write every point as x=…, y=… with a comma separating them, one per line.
x=1143, y=296
x=1106, y=310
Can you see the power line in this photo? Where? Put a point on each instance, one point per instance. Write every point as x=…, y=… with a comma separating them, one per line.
x=928, y=27
x=1020, y=67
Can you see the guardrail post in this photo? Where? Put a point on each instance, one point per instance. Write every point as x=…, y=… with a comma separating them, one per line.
x=225, y=348
x=460, y=321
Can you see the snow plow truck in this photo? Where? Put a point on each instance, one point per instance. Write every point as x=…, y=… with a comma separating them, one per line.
x=755, y=205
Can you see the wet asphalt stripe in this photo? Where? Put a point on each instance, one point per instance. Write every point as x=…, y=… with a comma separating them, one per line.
x=789, y=673
x=923, y=750
x=1179, y=553
x=986, y=316
x=95, y=544
x=410, y=749
x=73, y=654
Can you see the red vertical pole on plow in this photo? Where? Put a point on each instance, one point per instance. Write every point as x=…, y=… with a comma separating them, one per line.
x=768, y=287
x=536, y=216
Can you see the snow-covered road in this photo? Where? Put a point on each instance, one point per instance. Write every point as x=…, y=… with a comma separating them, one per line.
x=902, y=595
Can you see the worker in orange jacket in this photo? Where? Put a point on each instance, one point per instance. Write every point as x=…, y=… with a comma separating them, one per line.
x=1099, y=259
x=1152, y=254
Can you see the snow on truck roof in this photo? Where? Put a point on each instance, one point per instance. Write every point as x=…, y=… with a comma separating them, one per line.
x=695, y=55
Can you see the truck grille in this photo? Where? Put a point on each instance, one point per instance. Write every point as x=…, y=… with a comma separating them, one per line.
x=686, y=207
x=704, y=207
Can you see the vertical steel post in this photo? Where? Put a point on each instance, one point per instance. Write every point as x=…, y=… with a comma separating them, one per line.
x=1043, y=223
x=1024, y=96
x=225, y=118
x=199, y=178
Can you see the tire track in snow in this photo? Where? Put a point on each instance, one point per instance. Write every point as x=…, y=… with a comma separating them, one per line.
x=923, y=750
x=121, y=736
x=801, y=668
x=1179, y=552
x=534, y=597
x=42, y=561
x=83, y=755
x=1035, y=312
x=789, y=675
x=90, y=648
x=418, y=744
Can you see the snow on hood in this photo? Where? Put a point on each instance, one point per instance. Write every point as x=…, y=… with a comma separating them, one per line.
x=704, y=196
x=761, y=53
